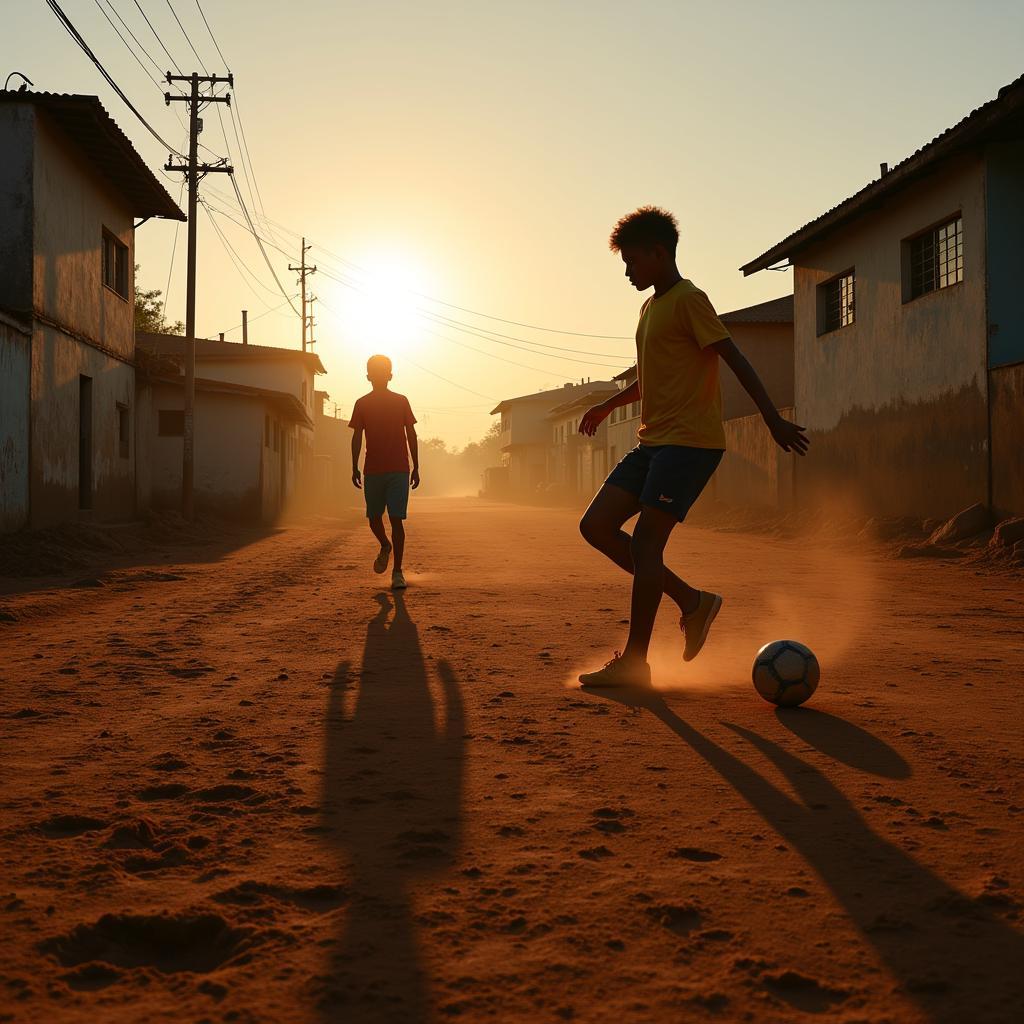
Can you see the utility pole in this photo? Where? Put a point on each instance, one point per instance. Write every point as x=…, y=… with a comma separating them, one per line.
x=312, y=340
x=303, y=272
x=193, y=172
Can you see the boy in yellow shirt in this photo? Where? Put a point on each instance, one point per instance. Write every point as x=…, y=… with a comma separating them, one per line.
x=679, y=342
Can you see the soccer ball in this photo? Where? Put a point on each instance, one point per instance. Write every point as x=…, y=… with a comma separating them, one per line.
x=786, y=673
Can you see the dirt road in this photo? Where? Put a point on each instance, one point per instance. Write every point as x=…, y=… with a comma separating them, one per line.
x=261, y=788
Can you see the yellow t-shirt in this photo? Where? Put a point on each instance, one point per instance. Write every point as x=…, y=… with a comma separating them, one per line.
x=680, y=398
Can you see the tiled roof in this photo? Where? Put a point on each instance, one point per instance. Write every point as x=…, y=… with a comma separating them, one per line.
x=96, y=135
x=1004, y=112
x=174, y=345
x=774, y=311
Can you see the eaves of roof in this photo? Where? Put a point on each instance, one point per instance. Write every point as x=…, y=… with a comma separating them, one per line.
x=774, y=311
x=982, y=124
x=212, y=348
x=287, y=404
x=98, y=138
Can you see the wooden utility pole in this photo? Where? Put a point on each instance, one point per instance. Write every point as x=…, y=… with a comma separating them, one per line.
x=312, y=341
x=193, y=171
x=303, y=271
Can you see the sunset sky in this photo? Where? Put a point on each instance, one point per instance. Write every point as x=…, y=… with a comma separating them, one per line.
x=479, y=153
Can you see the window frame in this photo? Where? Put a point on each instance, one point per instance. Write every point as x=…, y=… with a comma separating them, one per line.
x=822, y=302
x=907, y=257
x=114, y=265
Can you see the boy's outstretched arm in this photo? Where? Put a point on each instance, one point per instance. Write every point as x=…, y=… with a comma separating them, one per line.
x=788, y=436
x=593, y=416
x=414, y=452
x=357, y=447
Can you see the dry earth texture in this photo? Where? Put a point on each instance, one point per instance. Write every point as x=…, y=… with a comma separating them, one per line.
x=249, y=784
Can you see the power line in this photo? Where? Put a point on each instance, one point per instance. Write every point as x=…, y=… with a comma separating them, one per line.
x=156, y=36
x=212, y=36
x=117, y=15
x=238, y=262
x=259, y=242
x=84, y=46
x=174, y=246
x=259, y=316
x=187, y=40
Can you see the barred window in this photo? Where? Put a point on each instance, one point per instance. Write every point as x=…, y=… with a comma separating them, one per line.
x=836, y=303
x=936, y=258
x=115, y=264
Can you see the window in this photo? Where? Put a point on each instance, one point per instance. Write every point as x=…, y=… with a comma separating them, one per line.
x=634, y=409
x=123, y=431
x=115, y=264
x=171, y=423
x=934, y=259
x=836, y=303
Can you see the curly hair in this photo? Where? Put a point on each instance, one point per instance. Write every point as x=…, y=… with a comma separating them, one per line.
x=378, y=364
x=648, y=225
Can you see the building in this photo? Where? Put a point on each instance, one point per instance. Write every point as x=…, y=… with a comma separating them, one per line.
x=754, y=470
x=909, y=327
x=624, y=422
x=71, y=186
x=577, y=465
x=332, y=452
x=525, y=437
x=254, y=426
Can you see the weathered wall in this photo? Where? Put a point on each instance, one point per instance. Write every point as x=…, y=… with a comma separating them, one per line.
x=1004, y=196
x=1006, y=395
x=71, y=208
x=769, y=348
x=17, y=132
x=277, y=374
x=621, y=437
x=754, y=471
x=57, y=363
x=228, y=455
x=15, y=363
x=896, y=402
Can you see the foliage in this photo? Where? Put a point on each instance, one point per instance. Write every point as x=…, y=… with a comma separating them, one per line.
x=149, y=311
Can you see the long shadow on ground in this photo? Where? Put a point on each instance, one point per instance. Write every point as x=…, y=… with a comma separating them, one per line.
x=392, y=807
x=947, y=952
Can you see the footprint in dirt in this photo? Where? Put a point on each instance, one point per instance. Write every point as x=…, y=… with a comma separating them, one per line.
x=67, y=826
x=609, y=819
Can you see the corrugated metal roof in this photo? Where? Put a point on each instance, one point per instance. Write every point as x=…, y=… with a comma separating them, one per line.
x=95, y=133
x=774, y=311
x=976, y=127
x=174, y=345
x=286, y=403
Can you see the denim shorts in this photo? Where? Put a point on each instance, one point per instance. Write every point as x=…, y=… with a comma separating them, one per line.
x=386, y=490
x=666, y=476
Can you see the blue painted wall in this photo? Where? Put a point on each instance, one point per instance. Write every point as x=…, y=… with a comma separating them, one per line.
x=1004, y=200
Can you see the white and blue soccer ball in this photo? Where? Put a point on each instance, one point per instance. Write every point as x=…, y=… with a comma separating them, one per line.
x=786, y=673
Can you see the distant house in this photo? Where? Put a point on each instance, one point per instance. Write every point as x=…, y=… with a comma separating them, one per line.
x=253, y=422
x=71, y=185
x=624, y=422
x=332, y=452
x=909, y=327
x=525, y=436
x=577, y=464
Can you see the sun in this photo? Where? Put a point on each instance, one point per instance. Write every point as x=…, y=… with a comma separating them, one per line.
x=385, y=307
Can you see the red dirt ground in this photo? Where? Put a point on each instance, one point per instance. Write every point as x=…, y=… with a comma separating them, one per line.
x=260, y=788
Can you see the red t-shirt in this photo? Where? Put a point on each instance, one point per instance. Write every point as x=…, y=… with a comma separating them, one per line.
x=383, y=416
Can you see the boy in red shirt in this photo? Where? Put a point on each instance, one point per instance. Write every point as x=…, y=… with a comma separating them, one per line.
x=387, y=420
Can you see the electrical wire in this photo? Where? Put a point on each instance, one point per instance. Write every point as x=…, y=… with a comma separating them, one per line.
x=133, y=35
x=212, y=36
x=174, y=247
x=259, y=316
x=238, y=262
x=84, y=46
x=187, y=40
x=156, y=36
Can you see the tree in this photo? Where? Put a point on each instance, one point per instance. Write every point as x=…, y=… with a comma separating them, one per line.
x=149, y=311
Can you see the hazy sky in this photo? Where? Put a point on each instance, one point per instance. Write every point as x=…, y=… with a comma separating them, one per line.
x=479, y=153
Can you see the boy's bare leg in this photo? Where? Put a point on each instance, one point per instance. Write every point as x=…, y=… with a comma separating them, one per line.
x=647, y=547
x=377, y=526
x=601, y=527
x=398, y=537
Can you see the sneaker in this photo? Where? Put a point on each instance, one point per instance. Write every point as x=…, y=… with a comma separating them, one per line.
x=619, y=672
x=697, y=624
x=398, y=580
x=380, y=563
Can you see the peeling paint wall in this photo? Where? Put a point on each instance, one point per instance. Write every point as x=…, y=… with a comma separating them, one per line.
x=1006, y=395
x=57, y=364
x=754, y=471
x=896, y=402
x=15, y=362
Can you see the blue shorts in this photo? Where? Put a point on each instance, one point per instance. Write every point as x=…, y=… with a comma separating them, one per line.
x=666, y=476
x=386, y=490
